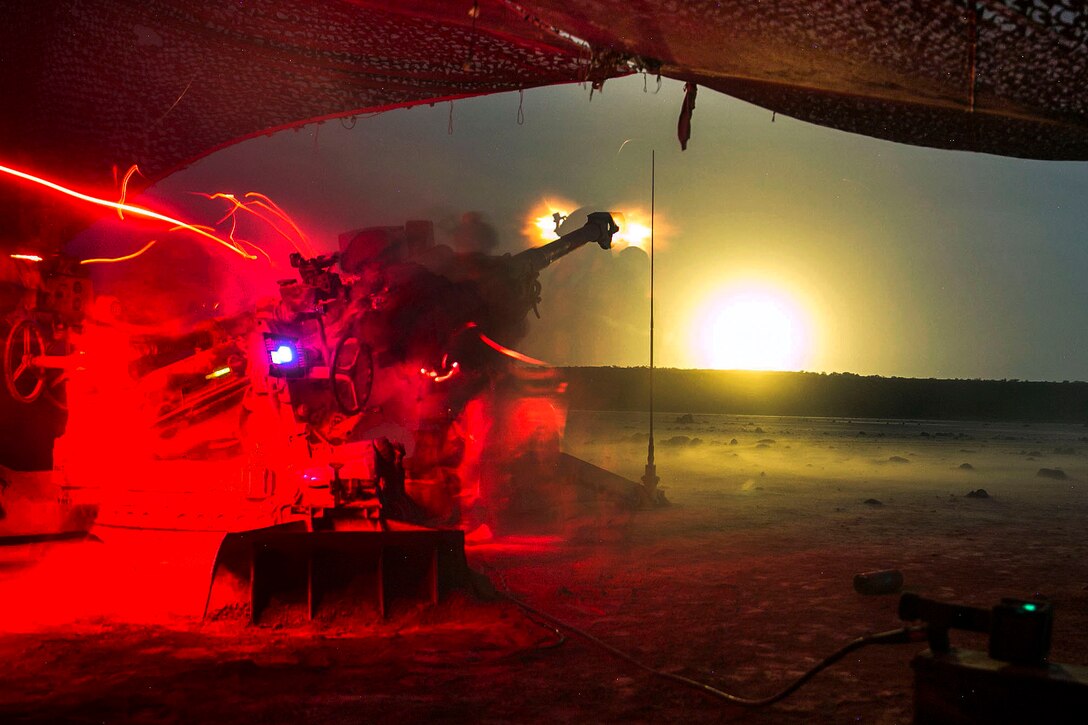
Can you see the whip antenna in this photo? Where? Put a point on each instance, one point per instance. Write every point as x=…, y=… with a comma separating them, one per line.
x=649, y=478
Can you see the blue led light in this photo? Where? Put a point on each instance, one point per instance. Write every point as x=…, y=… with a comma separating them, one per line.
x=286, y=357
x=283, y=355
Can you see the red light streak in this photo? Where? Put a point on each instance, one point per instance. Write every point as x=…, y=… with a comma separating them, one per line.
x=27, y=257
x=522, y=357
x=274, y=212
x=124, y=187
x=251, y=244
x=131, y=209
x=447, y=376
x=275, y=209
x=111, y=260
x=441, y=377
x=223, y=195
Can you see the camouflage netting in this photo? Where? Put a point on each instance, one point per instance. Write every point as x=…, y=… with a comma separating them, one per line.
x=92, y=84
x=89, y=84
x=1003, y=77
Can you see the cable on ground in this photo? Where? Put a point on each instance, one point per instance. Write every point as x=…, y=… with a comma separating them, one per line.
x=904, y=635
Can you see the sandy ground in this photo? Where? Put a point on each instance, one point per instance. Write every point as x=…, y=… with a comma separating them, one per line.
x=743, y=582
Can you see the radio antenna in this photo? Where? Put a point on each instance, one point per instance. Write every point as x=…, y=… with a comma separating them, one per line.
x=649, y=478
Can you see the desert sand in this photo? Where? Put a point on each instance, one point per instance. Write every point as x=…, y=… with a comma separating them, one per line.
x=743, y=582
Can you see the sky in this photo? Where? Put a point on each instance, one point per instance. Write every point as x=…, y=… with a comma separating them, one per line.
x=778, y=244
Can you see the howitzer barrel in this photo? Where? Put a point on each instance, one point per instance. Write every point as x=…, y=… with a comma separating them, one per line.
x=598, y=228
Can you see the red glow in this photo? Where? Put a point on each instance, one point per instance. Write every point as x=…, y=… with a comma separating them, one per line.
x=535, y=419
x=131, y=209
x=143, y=578
x=515, y=544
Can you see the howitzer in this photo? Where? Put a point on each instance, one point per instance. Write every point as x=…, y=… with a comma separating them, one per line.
x=599, y=228
x=406, y=307
x=375, y=396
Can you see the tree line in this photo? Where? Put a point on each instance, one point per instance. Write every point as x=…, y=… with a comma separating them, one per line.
x=824, y=395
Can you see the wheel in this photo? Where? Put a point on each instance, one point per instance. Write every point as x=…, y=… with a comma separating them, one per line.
x=23, y=379
x=351, y=374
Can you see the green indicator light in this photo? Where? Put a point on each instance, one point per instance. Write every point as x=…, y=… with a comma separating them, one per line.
x=1028, y=607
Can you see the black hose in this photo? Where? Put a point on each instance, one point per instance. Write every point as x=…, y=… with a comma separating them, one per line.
x=895, y=636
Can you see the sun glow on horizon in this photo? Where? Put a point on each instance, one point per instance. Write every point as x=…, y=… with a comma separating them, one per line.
x=752, y=326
